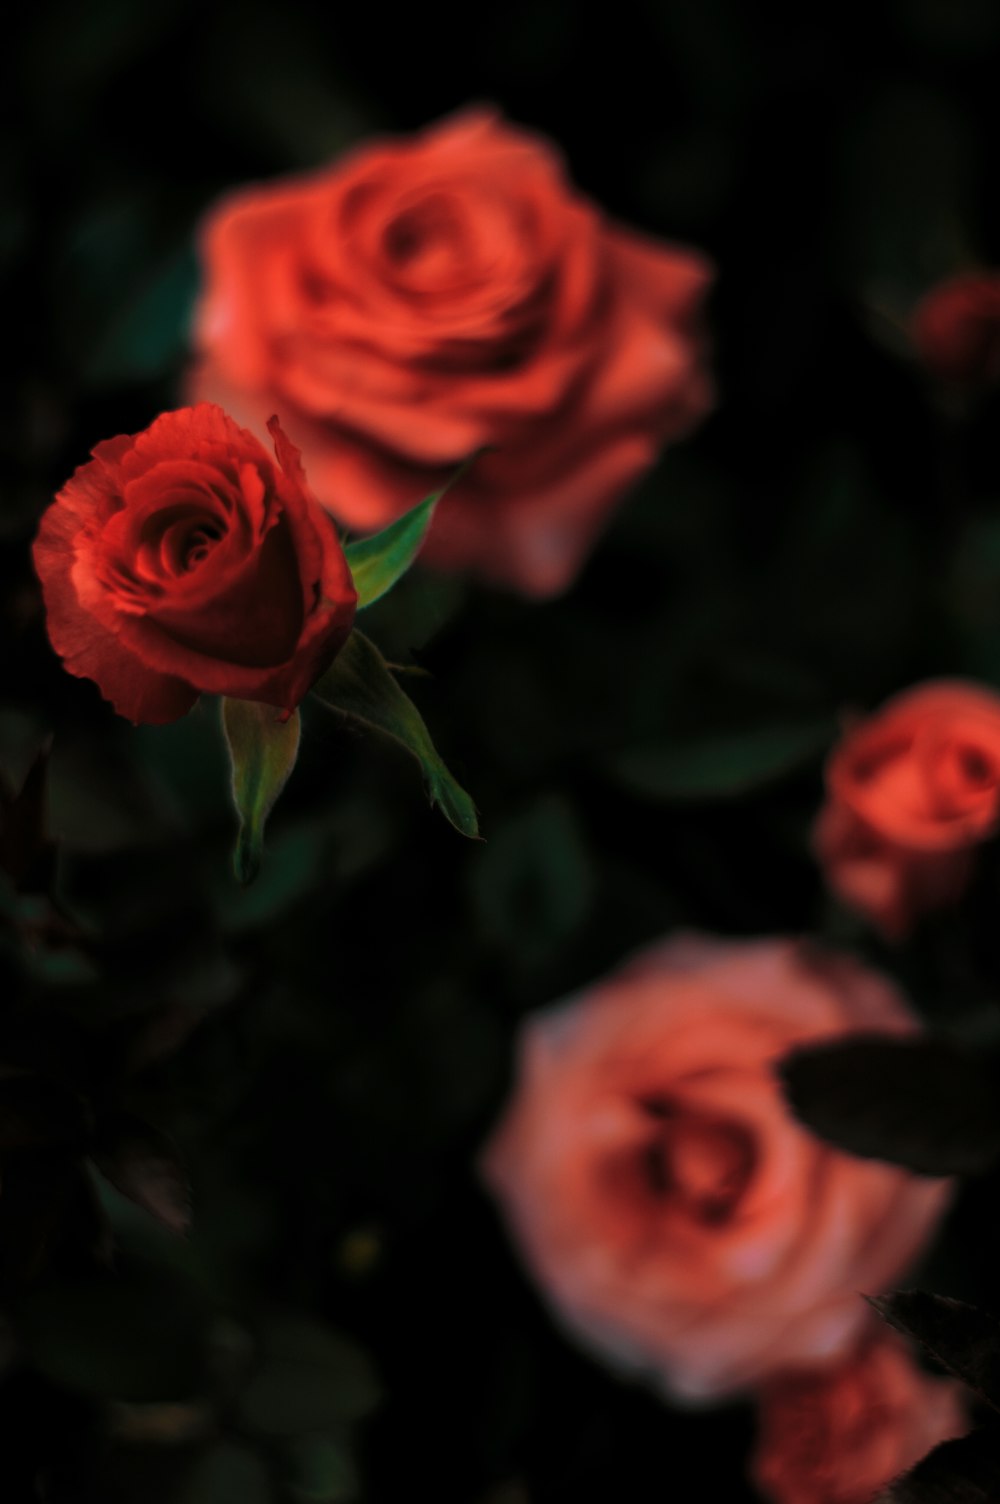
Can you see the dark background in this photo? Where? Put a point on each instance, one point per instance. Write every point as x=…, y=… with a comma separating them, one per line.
x=330, y=1047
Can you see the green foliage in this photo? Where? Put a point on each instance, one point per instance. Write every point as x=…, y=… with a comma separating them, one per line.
x=534, y=882
x=327, y=1049
x=229, y=1473
x=136, y=1334
x=307, y=1378
x=146, y=334
x=923, y=1103
x=144, y=1166
x=263, y=748
x=322, y=1471
x=722, y=766
x=360, y=685
x=376, y=563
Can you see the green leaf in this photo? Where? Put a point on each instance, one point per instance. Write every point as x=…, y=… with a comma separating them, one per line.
x=143, y=1164
x=262, y=749
x=720, y=767
x=148, y=332
x=359, y=685
x=921, y=1102
x=139, y=1334
x=308, y=1378
x=376, y=563
x=534, y=883
x=322, y=1470
x=228, y=1474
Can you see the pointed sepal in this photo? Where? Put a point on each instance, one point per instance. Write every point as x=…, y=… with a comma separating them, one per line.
x=359, y=684
x=376, y=563
x=263, y=748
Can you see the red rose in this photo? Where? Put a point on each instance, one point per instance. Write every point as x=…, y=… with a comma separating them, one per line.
x=427, y=296
x=183, y=559
x=956, y=329
x=684, y=1225
x=911, y=791
x=839, y=1437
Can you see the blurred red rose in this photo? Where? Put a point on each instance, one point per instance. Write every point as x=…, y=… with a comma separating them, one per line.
x=911, y=790
x=840, y=1436
x=682, y=1222
x=956, y=329
x=428, y=295
x=183, y=559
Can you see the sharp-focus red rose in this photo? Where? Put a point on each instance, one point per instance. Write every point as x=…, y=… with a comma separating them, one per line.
x=956, y=329
x=840, y=1437
x=911, y=791
x=184, y=559
x=429, y=295
x=684, y=1225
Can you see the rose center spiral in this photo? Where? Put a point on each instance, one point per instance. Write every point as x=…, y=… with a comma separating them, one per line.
x=427, y=242
x=199, y=543
x=702, y=1164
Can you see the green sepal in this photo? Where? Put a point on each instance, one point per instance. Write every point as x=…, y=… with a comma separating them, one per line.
x=262, y=753
x=376, y=563
x=359, y=684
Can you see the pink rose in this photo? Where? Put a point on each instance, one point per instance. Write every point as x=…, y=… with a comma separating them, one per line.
x=840, y=1436
x=683, y=1224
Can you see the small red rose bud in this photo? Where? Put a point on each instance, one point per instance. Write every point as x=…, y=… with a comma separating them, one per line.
x=956, y=330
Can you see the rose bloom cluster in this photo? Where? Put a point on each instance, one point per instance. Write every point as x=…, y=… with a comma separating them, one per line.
x=689, y=1231
x=418, y=301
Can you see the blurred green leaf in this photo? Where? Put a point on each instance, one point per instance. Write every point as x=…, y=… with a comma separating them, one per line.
x=293, y=99
x=62, y=966
x=534, y=882
x=101, y=799
x=360, y=685
x=83, y=48
x=144, y=1165
x=927, y=1104
x=21, y=739
x=149, y=332
x=35, y=1110
x=421, y=605
x=142, y=1240
x=907, y=179
x=309, y=1378
x=262, y=749
x=27, y=856
x=322, y=1470
x=294, y=860
x=228, y=1474
x=138, y=1334
x=187, y=761
x=722, y=766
